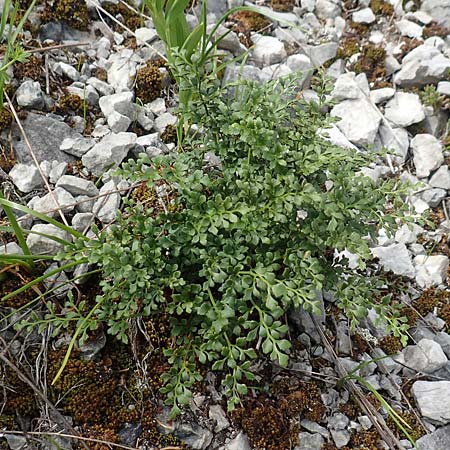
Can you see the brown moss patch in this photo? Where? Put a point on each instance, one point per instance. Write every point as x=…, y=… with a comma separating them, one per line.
x=73, y=12
x=271, y=423
x=283, y=5
x=149, y=82
x=381, y=7
x=246, y=22
x=5, y=122
x=391, y=345
x=367, y=440
x=434, y=29
x=12, y=278
x=428, y=301
x=416, y=431
x=32, y=68
x=347, y=47
x=69, y=103
x=100, y=73
x=169, y=135
x=131, y=19
x=358, y=29
x=407, y=45
x=371, y=62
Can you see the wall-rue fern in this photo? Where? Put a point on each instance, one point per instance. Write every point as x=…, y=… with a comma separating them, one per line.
x=237, y=244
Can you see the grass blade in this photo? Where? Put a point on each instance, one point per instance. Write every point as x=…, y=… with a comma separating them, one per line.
x=44, y=217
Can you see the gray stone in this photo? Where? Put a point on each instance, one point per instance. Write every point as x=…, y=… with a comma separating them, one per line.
x=145, y=35
x=364, y=15
x=338, y=421
x=82, y=221
x=105, y=208
x=62, y=68
x=328, y=9
x=404, y=109
x=381, y=95
x=437, y=440
x=29, y=95
x=314, y=427
x=419, y=16
x=11, y=248
x=57, y=170
x=365, y=422
x=443, y=87
x=58, y=282
x=46, y=204
x=145, y=118
x=392, y=65
x=85, y=204
x=395, y=139
x=122, y=70
x=45, y=145
x=340, y=437
x=438, y=9
x=359, y=120
x=322, y=53
x=41, y=245
x=408, y=28
x=422, y=65
x=334, y=135
x=129, y=432
x=240, y=442
x=433, y=400
x=268, y=50
x=157, y=106
x=396, y=258
x=77, y=186
x=109, y=152
x=118, y=122
x=194, y=435
x=301, y=63
x=441, y=178
x=308, y=441
x=230, y=42
x=246, y=72
x=427, y=356
x=85, y=92
x=346, y=88
x=26, y=177
x=77, y=145
x=431, y=270
x=428, y=156
x=217, y=414
x=162, y=121
x=17, y=442
x=122, y=103
x=433, y=197
x=100, y=86
x=407, y=233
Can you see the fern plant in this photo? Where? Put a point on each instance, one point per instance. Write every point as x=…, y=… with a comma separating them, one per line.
x=235, y=245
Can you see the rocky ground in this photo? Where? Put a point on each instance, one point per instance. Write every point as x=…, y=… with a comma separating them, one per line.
x=96, y=91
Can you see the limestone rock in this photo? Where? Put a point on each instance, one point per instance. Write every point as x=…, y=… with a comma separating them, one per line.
x=428, y=156
x=433, y=400
x=404, y=109
x=359, y=121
